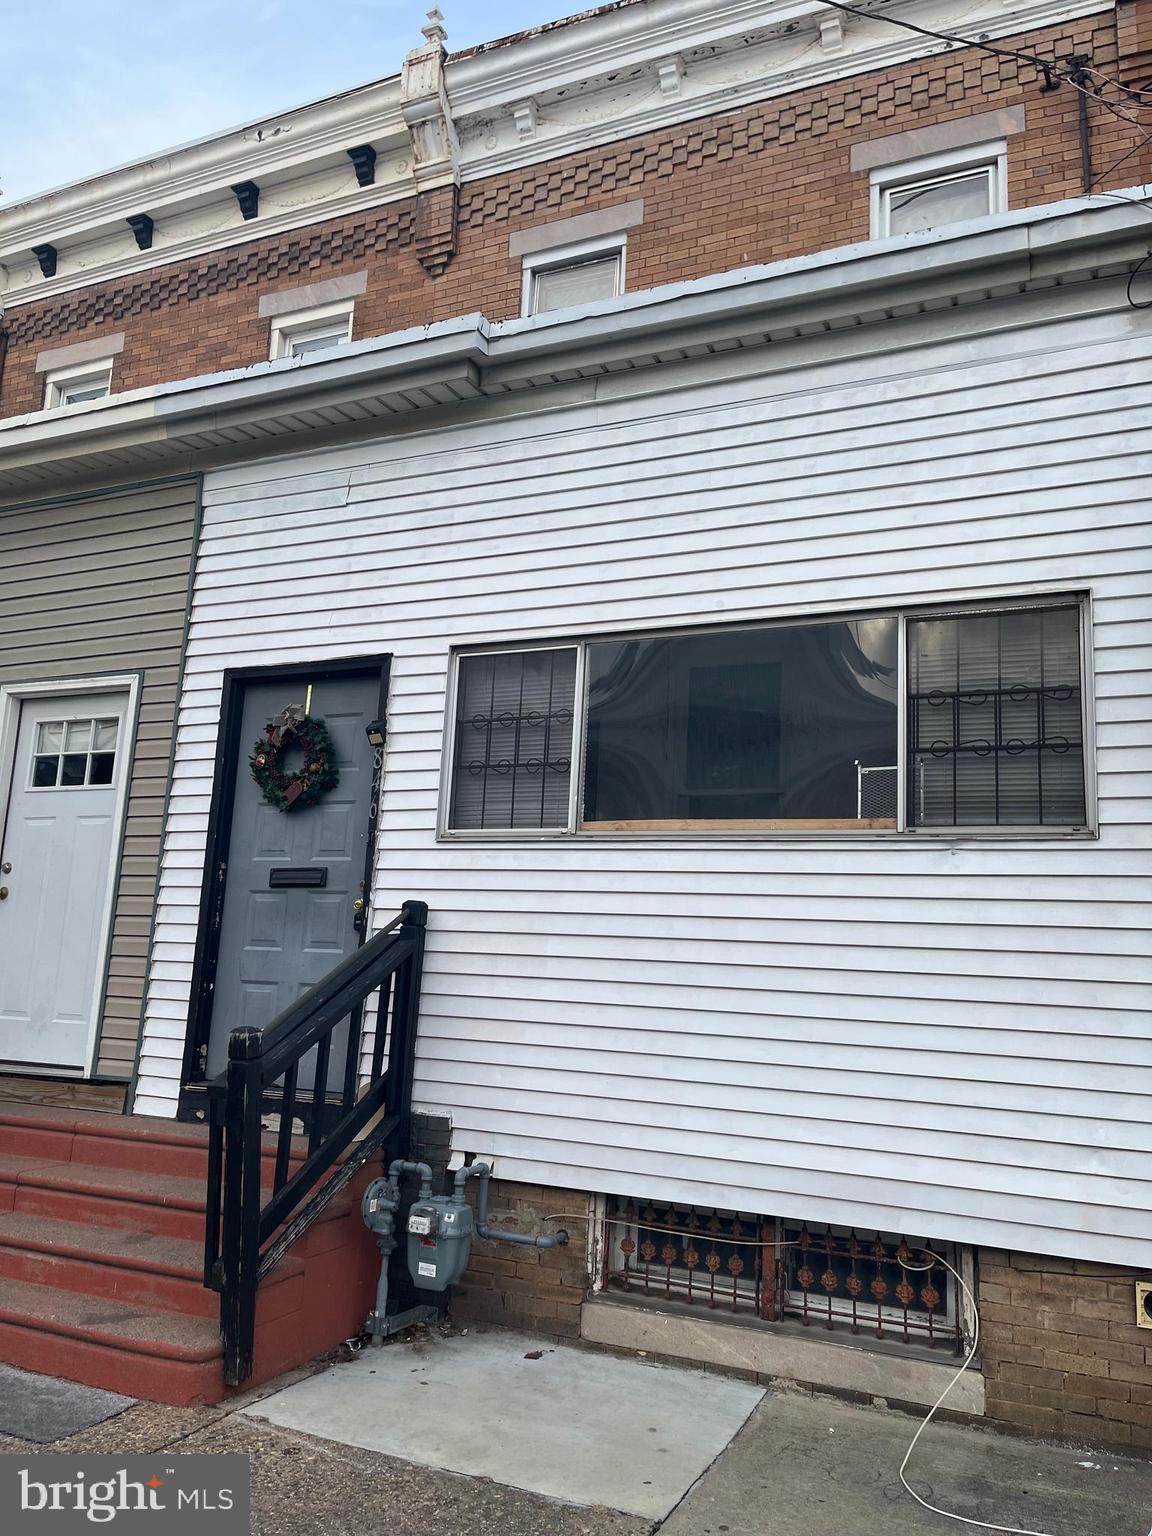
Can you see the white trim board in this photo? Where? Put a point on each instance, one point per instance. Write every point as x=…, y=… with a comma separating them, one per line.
x=12, y=696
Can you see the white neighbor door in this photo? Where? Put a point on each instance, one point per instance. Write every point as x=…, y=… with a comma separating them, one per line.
x=55, y=867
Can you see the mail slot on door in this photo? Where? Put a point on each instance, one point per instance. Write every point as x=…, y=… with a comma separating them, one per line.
x=286, y=877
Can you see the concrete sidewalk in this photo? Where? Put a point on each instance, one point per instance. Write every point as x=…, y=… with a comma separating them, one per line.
x=724, y=1458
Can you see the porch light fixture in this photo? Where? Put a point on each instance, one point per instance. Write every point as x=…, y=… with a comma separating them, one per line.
x=377, y=732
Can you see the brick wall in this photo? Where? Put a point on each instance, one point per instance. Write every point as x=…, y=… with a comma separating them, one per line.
x=758, y=185
x=538, y=1290
x=1061, y=1351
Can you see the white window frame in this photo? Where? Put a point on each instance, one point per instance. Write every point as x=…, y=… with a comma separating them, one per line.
x=1061, y=595
x=931, y=169
x=59, y=381
x=575, y=255
x=289, y=327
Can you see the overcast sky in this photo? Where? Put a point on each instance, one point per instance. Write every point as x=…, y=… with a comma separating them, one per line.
x=88, y=84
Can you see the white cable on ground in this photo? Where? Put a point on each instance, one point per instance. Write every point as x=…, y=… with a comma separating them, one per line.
x=985, y=1525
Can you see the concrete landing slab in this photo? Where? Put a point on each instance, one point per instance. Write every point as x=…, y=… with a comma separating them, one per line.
x=44, y=1409
x=584, y=1428
x=812, y=1465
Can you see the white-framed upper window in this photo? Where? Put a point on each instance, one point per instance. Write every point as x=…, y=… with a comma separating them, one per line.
x=574, y=274
x=312, y=330
x=72, y=386
x=947, y=188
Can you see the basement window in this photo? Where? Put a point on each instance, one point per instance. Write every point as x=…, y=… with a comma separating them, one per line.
x=583, y=274
x=842, y=1280
x=950, y=188
x=312, y=330
x=74, y=386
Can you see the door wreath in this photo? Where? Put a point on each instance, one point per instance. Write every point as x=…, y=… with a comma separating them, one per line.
x=319, y=773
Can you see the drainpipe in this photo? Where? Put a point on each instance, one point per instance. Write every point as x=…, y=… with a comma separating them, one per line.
x=1078, y=75
x=483, y=1172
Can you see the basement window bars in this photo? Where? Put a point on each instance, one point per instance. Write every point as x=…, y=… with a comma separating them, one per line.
x=863, y=1283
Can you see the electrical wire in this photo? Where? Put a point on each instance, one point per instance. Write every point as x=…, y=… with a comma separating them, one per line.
x=1052, y=71
x=984, y=1525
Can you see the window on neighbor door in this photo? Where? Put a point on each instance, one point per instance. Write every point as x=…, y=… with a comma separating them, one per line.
x=995, y=719
x=313, y=330
x=558, y=280
x=72, y=386
x=940, y=189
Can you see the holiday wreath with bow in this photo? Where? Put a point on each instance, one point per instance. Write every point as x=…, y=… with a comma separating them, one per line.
x=318, y=774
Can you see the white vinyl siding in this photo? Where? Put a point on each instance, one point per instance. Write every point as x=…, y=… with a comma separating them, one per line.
x=945, y=1035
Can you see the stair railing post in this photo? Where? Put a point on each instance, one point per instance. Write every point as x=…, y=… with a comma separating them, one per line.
x=241, y=1225
x=405, y=1013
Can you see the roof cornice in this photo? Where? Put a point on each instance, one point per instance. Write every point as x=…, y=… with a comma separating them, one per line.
x=609, y=76
x=284, y=406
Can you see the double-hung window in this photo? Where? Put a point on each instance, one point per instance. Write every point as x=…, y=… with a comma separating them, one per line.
x=312, y=330
x=73, y=386
x=892, y=722
x=558, y=279
x=948, y=188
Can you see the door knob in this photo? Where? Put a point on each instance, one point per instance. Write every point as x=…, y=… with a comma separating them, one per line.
x=3, y=893
x=357, y=905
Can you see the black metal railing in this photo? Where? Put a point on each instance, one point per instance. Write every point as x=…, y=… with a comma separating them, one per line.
x=251, y=1225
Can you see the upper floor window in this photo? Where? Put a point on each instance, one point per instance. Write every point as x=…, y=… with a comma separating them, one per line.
x=579, y=274
x=72, y=386
x=311, y=330
x=939, y=189
x=887, y=722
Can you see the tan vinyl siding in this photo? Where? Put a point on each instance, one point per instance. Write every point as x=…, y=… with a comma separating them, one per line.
x=91, y=587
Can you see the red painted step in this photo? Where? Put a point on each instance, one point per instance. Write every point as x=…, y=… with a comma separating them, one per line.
x=101, y=1233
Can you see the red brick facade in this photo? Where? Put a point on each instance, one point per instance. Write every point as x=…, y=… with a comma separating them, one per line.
x=768, y=182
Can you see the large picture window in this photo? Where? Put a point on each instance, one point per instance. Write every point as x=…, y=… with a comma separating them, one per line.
x=752, y=727
x=790, y=726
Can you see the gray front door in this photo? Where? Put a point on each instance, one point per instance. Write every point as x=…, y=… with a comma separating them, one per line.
x=278, y=940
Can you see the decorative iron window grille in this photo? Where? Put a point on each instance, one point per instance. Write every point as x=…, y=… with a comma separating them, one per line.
x=512, y=759
x=860, y=1282
x=995, y=719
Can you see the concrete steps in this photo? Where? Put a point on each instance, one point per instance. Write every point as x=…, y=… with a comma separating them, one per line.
x=101, y=1235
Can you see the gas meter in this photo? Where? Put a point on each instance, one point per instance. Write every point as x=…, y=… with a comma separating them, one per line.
x=439, y=1241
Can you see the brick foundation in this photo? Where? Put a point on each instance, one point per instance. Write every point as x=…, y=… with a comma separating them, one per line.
x=1061, y=1351
x=537, y=1289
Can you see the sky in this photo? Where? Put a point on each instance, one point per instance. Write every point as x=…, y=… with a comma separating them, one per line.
x=90, y=84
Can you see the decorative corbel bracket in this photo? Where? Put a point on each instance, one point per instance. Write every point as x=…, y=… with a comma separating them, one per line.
x=143, y=228
x=670, y=73
x=524, y=116
x=832, y=33
x=363, y=158
x=46, y=256
x=247, y=198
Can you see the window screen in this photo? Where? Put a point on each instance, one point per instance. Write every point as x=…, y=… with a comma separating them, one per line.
x=578, y=282
x=751, y=725
x=512, y=763
x=995, y=719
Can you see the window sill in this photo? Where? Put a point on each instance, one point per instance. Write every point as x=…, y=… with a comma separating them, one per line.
x=779, y=832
